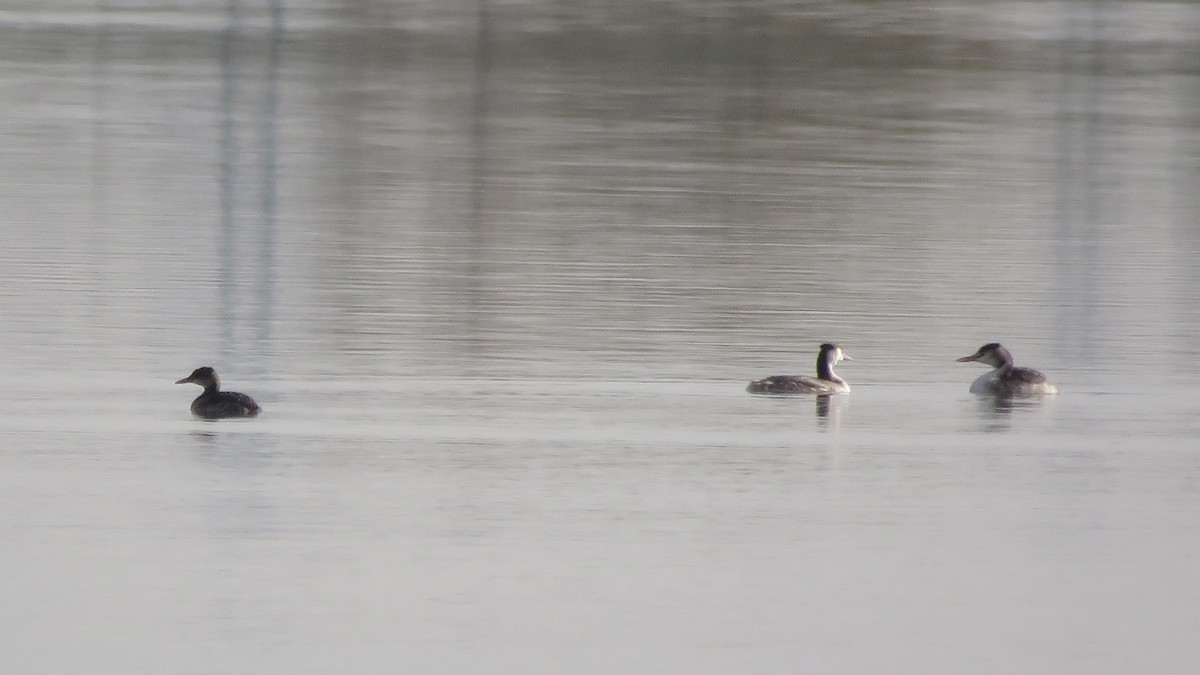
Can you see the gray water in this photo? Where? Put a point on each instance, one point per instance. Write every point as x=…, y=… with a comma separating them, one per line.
x=498, y=279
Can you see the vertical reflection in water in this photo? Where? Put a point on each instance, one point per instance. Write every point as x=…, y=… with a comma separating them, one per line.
x=266, y=261
x=744, y=63
x=99, y=165
x=479, y=183
x=1077, y=156
x=1185, y=167
x=995, y=413
x=228, y=180
x=822, y=406
x=264, y=276
x=829, y=411
x=714, y=35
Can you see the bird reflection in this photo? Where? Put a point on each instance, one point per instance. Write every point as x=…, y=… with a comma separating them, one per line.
x=829, y=410
x=996, y=412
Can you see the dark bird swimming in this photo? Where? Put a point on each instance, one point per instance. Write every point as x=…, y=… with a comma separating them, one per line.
x=826, y=381
x=1007, y=380
x=215, y=404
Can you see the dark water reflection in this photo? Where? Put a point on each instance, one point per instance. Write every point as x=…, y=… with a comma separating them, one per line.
x=505, y=208
x=499, y=275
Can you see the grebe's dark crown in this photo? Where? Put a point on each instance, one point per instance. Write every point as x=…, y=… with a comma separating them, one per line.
x=202, y=376
x=833, y=351
x=993, y=354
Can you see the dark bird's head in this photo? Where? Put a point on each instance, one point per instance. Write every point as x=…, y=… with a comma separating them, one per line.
x=832, y=353
x=204, y=376
x=993, y=354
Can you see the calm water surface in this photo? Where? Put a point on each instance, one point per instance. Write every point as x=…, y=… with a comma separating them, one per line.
x=499, y=292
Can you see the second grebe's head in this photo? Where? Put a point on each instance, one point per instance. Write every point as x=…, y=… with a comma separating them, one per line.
x=832, y=353
x=993, y=354
x=203, y=376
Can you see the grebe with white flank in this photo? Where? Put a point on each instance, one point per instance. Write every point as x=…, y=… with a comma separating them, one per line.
x=1007, y=380
x=826, y=382
x=213, y=403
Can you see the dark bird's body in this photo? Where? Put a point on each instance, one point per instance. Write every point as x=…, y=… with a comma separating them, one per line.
x=215, y=404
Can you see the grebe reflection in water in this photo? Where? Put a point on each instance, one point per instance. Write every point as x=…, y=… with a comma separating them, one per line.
x=215, y=404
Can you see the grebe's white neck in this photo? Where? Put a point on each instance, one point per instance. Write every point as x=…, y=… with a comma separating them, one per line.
x=983, y=383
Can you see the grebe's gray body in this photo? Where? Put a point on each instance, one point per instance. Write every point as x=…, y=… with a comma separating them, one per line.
x=215, y=404
x=1007, y=380
x=826, y=381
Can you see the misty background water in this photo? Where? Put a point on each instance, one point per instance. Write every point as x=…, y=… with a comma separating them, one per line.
x=498, y=274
